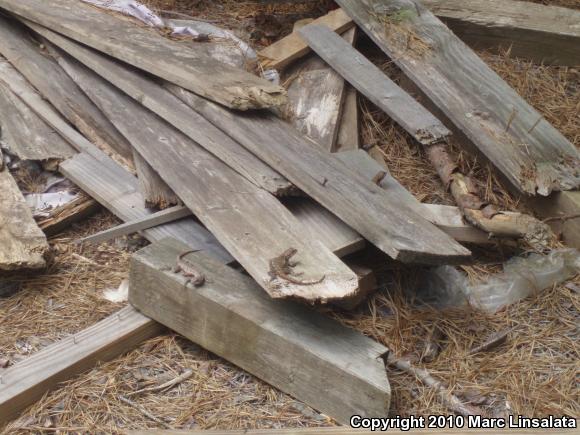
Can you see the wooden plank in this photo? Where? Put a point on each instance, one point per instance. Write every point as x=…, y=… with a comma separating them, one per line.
x=150, y=51
x=26, y=135
x=156, y=193
x=371, y=82
x=283, y=52
x=116, y=189
x=22, y=243
x=530, y=153
x=332, y=368
x=562, y=211
x=171, y=109
x=27, y=381
x=348, y=130
x=315, y=98
x=18, y=47
x=252, y=224
x=545, y=34
x=63, y=217
x=380, y=216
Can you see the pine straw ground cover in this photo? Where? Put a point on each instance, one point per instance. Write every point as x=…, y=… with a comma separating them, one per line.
x=534, y=373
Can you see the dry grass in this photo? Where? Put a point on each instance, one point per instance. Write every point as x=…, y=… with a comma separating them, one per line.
x=535, y=371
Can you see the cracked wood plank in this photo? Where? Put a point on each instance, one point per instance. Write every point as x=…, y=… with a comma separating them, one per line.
x=525, y=148
x=175, y=112
x=148, y=50
x=334, y=369
x=22, y=244
x=251, y=223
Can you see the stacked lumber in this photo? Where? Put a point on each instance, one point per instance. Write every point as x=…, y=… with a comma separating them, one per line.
x=220, y=169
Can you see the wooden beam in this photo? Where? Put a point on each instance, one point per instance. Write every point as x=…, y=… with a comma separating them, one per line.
x=544, y=34
x=116, y=189
x=63, y=217
x=334, y=369
x=381, y=217
x=26, y=135
x=252, y=224
x=18, y=47
x=283, y=52
x=148, y=50
x=530, y=153
x=27, y=381
x=172, y=110
x=155, y=191
x=22, y=244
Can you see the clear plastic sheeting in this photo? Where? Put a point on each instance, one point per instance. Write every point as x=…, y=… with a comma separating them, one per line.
x=521, y=277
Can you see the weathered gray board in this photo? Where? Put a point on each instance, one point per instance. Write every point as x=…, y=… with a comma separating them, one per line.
x=18, y=47
x=116, y=189
x=22, y=243
x=171, y=109
x=530, y=153
x=332, y=368
x=26, y=135
x=382, y=217
x=545, y=34
x=252, y=224
x=370, y=81
x=178, y=62
x=27, y=381
x=316, y=97
x=155, y=191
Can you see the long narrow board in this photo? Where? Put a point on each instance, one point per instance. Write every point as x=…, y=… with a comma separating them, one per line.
x=148, y=50
x=332, y=368
x=283, y=52
x=382, y=217
x=27, y=381
x=348, y=138
x=26, y=135
x=18, y=47
x=252, y=224
x=172, y=110
x=371, y=82
x=22, y=243
x=545, y=34
x=526, y=149
x=316, y=97
x=116, y=189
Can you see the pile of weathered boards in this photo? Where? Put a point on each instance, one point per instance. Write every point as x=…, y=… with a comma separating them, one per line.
x=273, y=178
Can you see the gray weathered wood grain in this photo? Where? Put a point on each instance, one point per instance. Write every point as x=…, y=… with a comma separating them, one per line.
x=28, y=380
x=530, y=153
x=382, y=217
x=171, y=109
x=19, y=48
x=370, y=81
x=116, y=189
x=348, y=138
x=146, y=49
x=252, y=224
x=156, y=193
x=26, y=135
x=545, y=34
x=332, y=368
x=22, y=243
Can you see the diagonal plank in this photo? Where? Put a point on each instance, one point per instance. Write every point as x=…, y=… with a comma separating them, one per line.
x=172, y=110
x=251, y=224
x=382, y=217
x=148, y=50
x=530, y=153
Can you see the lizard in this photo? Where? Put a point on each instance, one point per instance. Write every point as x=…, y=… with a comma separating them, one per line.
x=281, y=267
x=188, y=270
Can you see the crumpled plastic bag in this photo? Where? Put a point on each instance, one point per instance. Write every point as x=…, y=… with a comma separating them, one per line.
x=521, y=277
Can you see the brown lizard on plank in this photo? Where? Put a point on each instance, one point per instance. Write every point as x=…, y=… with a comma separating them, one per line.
x=281, y=267
x=188, y=270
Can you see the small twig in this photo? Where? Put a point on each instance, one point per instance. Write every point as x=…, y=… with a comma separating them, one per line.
x=562, y=218
x=493, y=341
x=182, y=377
x=144, y=412
x=535, y=125
x=449, y=399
